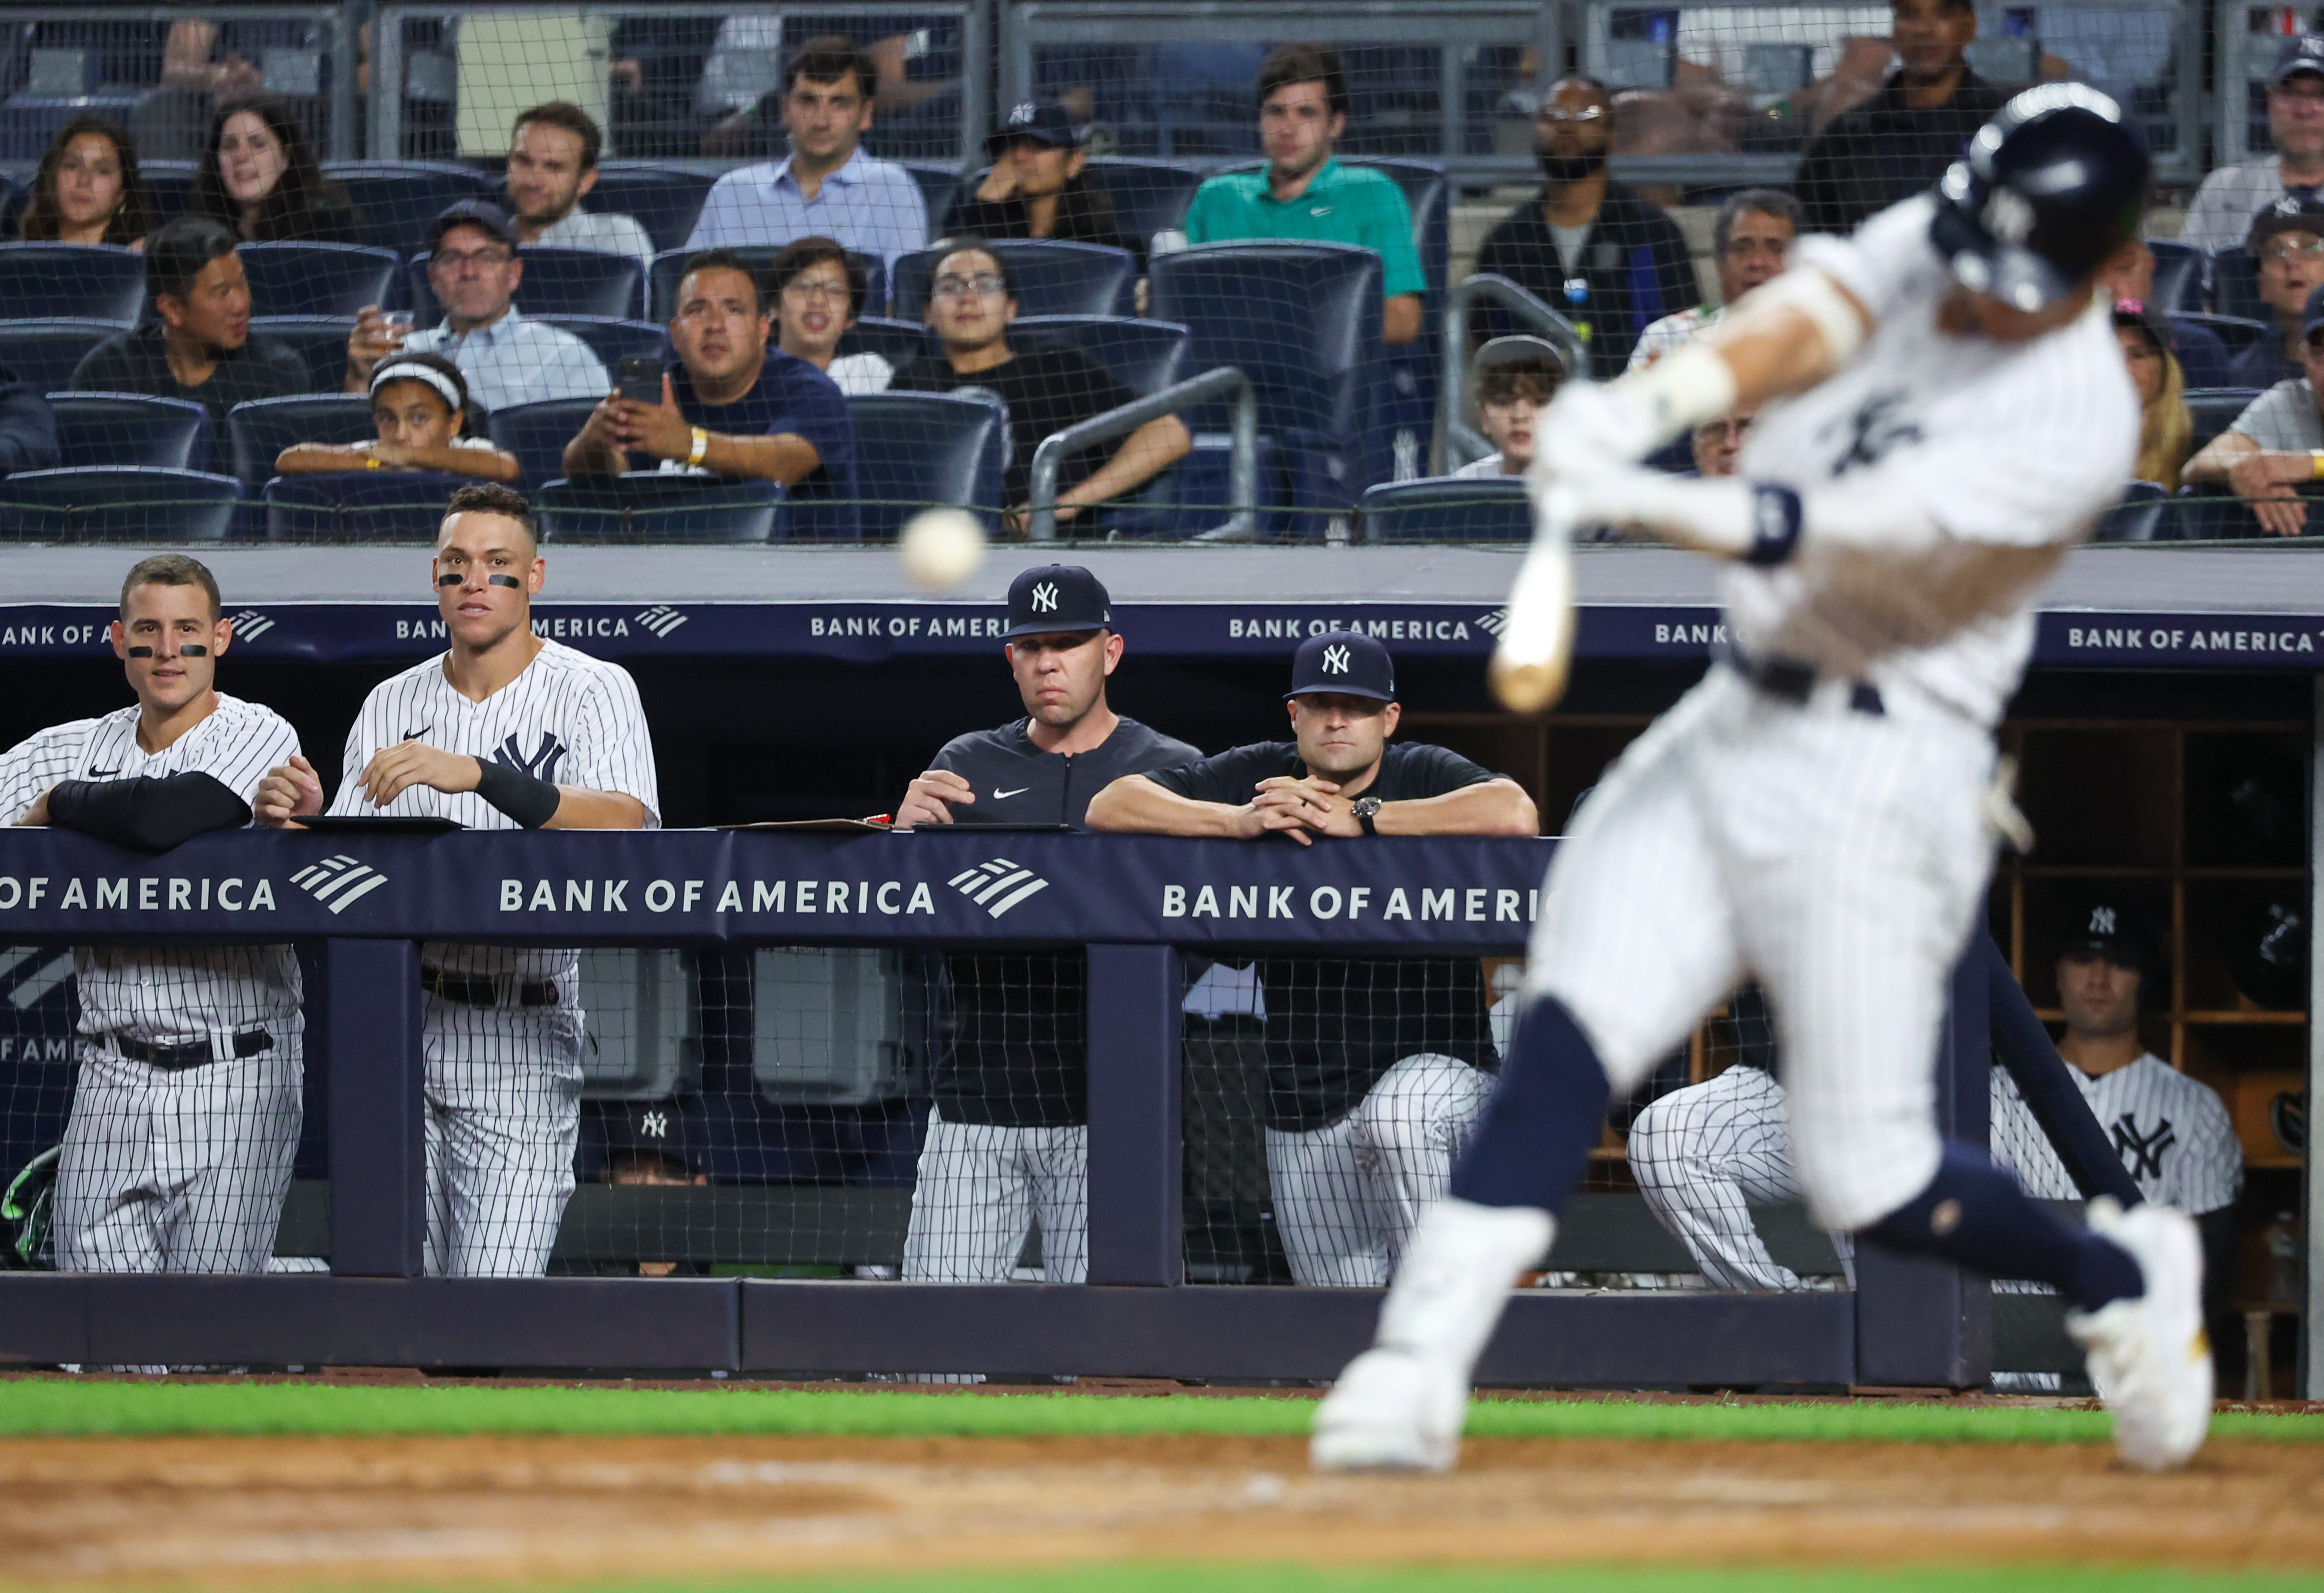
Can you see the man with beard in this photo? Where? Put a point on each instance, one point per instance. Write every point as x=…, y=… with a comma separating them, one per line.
x=1589, y=247
x=552, y=163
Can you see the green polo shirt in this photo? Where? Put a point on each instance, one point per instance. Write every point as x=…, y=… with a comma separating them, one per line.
x=1343, y=205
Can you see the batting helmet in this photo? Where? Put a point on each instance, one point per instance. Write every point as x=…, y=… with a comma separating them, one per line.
x=2050, y=187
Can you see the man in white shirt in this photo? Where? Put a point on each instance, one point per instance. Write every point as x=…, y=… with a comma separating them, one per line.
x=2230, y=197
x=508, y=359
x=505, y=730
x=1751, y=241
x=826, y=186
x=2268, y=453
x=552, y=164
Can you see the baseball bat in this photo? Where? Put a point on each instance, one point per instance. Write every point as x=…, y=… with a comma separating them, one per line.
x=1536, y=648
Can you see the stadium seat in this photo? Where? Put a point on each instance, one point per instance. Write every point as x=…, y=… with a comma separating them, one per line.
x=937, y=185
x=897, y=341
x=665, y=200
x=398, y=199
x=2235, y=331
x=111, y=430
x=1149, y=197
x=358, y=506
x=646, y=506
x=2214, y=409
x=556, y=283
x=537, y=434
x=1053, y=278
x=171, y=186
x=917, y=449
x=83, y=281
x=321, y=341
x=47, y=352
x=1445, y=509
x=1145, y=356
x=2182, y=277
x=2235, y=286
x=2143, y=516
x=669, y=268
x=257, y=432
x=317, y=278
x=125, y=504
x=612, y=340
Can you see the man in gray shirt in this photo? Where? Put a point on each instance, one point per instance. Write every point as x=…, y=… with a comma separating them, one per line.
x=2277, y=443
x=2231, y=196
x=552, y=162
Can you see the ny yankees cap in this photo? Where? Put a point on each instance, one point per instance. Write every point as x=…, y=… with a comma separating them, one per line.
x=2294, y=213
x=2111, y=926
x=2050, y=187
x=1342, y=661
x=1055, y=597
x=478, y=213
x=1046, y=123
x=2303, y=52
x=669, y=1127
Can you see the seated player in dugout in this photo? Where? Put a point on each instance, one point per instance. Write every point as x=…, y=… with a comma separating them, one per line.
x=503, y=730
x=420, y=405
x=972, y=304
x=186, y=1108
x=1515, y=378
x=1376, y=1066
x=1008, y=1137
x=732, y=406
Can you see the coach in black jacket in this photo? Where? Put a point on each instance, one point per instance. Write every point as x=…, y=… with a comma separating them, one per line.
x=1009, y=1136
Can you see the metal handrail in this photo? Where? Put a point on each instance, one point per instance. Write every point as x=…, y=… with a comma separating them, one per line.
x=1242, y=524
x=1452, y=430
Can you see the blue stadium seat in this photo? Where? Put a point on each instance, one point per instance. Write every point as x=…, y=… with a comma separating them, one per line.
x=937, y=184
x=47, y=352
x=94, y=504
x=897, y=341
x=321, y=341
x=358, y=506
x=1053, y=278
x=556, y=283
x=125, y=428
x=257, y=432
x=398, y=199
x=2182, y=277
x=537, y=434
x=614, y=339
x=669, y=268
x=1445, y=509
x=2235, y=286
x=2235, y=332
x=645, y=506
x=1145, y=356
x=2214, y=409
x=51, y=281
x=917, y=449
x=2145, y=515
x=317, y=278
x=171, y=184
x=1149, y=197
x=665, y=200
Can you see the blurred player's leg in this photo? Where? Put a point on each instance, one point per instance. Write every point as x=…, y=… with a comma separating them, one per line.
x=106, y=1197
x=1414, y=1120
x=234, y=1134
x=1323, y=1210
x=972, y=1205
x=1060, y=1186
x=1703, y=1156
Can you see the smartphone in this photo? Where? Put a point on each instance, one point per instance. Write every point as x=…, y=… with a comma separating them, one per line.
x=642, y=379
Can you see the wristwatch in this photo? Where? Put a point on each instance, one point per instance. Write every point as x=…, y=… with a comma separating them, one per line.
x=1367, y=808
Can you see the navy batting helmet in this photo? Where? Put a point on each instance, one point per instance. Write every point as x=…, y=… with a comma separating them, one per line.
x=2050, y=187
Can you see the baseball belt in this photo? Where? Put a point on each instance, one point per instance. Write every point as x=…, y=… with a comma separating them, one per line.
x=1793, y=681
x=193, y=1053
x=470, y=992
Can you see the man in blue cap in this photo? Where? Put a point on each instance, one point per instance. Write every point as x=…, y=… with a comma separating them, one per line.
x=2222, y=210
x=1376, y=1065
x=1008, y=1135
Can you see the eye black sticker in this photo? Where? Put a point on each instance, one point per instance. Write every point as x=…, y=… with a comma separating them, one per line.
x=140, y=652
x=511, y=581
x=194, y=649
x=449, y=580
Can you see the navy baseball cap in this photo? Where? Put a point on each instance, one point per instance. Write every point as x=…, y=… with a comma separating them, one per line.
x=479, y=212
x=1342, y=661
x=1054, y=597
x=2112, y=928
x=2294, y=213
x=2312, y=314
x=1051, y=123
x=2303, y=52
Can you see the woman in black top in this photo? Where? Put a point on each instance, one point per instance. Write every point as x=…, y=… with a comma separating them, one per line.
x=88, y=190
x=260, y=178
x=1035, y=188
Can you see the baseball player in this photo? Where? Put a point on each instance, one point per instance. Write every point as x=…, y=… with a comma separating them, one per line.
x=1376, y=1066
x=1009, y=1133
x=1954, y=415
x=185, y=1116
x=505, y=730
x=1705, y=1155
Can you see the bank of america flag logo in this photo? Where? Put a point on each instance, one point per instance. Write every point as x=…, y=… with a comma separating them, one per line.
x=338, y=882
x=998, y=886
x=1491, y=624
x=250, y=624
x=661, y=619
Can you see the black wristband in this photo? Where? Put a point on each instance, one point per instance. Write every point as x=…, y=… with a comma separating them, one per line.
x=530, y=802
x=1775, y=524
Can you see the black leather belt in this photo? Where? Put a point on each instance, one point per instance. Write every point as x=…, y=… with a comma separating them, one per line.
x=193, y=1053
x=1793, y=680
x=486, y=992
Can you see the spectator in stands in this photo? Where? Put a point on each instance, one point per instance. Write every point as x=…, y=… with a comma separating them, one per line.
x=260, y=178
x=1589, y=247
x=1718, y=444
x=826, y=186
x=1900, y=140
x=1751, y=241
x=2165, y=429
x=508, y=358
x=818, y=291
x=2202, y=358
x=2270, y=450
x=552, y=162
x=1304, y=193
x=420, y=404
x=731, y=406
x=652, y=1144
x=1515, y=378
x=2231, y=196
x=2287, y=241
x=1045, y=391
x=1035, y=188
x=199, y=347
x=88, y=190
x=28, y=426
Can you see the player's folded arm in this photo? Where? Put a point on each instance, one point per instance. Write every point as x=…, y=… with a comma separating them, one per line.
x=151, y=812
x=1138, y=804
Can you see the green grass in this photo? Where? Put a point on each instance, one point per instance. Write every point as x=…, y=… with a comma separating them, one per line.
x=69, y=1407
x=1628, y=1579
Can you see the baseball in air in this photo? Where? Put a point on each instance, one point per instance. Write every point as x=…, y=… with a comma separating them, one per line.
x=941, y=547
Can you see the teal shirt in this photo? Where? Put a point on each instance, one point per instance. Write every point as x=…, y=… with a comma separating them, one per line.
x=1343, y=205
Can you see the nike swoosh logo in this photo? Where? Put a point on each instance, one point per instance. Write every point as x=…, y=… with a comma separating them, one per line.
x=102, y=774
x=413, y=735
x=998, y=793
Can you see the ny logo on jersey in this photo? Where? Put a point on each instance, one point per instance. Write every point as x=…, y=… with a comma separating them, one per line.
x=1875, y=429
x=997, y=886
x=654, y=1125
x=2142, y=1156
x=1335, y=660
x=1045, y=598
x=338, y=882
x=541, y=765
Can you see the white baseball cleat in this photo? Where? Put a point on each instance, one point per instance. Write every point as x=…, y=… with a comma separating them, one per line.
x=2150, y=1359
x=1391, y=1411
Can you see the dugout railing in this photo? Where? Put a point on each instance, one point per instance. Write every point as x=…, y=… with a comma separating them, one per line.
x=1138, y=907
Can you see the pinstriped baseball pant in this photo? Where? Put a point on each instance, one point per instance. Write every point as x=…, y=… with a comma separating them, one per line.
x=1838, y=857
x=979, y=1187
x=502, y=1113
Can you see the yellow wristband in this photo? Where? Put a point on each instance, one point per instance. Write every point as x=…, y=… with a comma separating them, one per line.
x=371, y=462
x=701, y=447
x=2316, y=465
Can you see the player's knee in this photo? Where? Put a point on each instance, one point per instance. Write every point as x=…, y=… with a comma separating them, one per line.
x=1426, y=1098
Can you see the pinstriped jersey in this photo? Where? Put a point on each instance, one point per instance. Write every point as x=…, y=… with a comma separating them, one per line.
x=566, y=718
x=176, y=994
x=2172, y=1133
